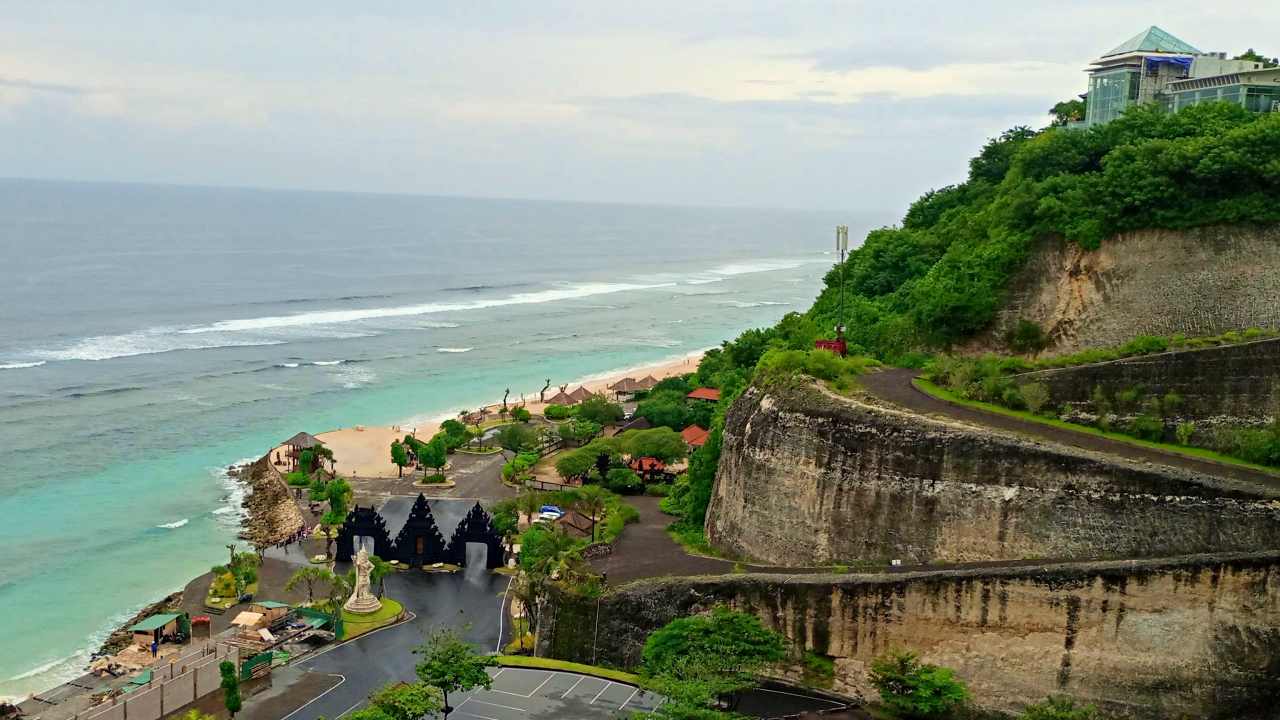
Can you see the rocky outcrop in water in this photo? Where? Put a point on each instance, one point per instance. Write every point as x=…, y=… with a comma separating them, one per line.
x=273, y=515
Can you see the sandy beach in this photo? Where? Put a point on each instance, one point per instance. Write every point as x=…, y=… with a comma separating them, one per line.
x=363, y=450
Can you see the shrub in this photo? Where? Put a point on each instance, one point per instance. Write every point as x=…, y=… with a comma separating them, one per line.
x=556, y=412
x=1059, y=708
x=658, y=490
x=1026, y=337
x=297, y=478
x=1012, y=397
x=911, y=689
x=1035, y=395
x=1147, y=427
x=624, y=482
x=521, y=414
x=1184, y=431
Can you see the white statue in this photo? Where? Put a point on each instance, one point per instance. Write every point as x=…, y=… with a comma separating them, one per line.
x=362, y=600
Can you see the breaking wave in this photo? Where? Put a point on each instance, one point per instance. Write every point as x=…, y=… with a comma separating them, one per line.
x=175, y=524
x=21, y=365
x=107, y=347
x=455, y=350
x=330, y=317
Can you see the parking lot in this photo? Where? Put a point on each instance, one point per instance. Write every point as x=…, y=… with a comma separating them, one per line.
x=519, y=694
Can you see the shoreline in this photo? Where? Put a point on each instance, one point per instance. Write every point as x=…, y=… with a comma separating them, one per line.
x=266, y=514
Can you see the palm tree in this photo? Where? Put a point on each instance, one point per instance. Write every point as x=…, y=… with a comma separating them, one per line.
x=529, y=502
x=591, y=502
x=378, y=575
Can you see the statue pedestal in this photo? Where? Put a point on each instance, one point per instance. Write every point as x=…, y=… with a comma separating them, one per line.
x=362, y=605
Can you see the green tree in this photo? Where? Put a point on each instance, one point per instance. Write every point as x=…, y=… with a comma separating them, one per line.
x=591, y=502
x=577, y=431
x=230, y=687
x=662, y=443
x=575, y=465
x=599, y=410
x=451, y=665
x=399, y=456
x=665, y=408
x=1067, y=111
x=1035, y=395
x=1059, y=708
x=912, y=689
x=407, y=701
x=521, y=414
x=517, y=437
x=723, y=650
x=1253, y=56
x=435, y=454
x=307, y=575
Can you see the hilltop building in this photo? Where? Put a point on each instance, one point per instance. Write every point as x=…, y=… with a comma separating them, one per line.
x=1156, y=67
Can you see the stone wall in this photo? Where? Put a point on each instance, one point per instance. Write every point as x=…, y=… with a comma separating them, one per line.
x=808, y=478
x=1198, y=282
x=1195, y=636
x=1231, y=385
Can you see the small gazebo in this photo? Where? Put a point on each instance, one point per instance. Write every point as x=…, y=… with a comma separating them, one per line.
x=646, y=383
x=581, y=394
x=562, y=398
x=626, y=386
x=298, y=443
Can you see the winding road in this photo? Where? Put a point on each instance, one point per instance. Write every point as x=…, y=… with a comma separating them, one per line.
x=895, y=386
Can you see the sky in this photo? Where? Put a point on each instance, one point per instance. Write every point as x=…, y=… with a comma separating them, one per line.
x=857, y=106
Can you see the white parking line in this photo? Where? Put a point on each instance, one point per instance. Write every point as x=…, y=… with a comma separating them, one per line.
x=544, y=682
x=566, y=692
x=326, y=692
x=624, y=702
x=607, y=685
x=504, y=707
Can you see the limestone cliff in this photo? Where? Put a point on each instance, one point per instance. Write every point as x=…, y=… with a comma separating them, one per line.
x=1188, y=637
x=1201, y=281
x=808, y=478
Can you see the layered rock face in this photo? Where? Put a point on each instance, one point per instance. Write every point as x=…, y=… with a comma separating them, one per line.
x=1190, y=637
x=1232, y=385
x=806, y=478
x=1198, y=282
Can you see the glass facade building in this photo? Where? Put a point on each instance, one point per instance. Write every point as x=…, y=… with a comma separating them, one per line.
x=1110, y=92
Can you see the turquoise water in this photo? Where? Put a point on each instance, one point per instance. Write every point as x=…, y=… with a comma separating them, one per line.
x=150, y=336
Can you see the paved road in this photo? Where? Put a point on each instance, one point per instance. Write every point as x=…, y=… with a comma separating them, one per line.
x=472, y=599
x=896, y=387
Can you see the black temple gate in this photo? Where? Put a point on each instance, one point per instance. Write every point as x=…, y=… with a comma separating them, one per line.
x=363, y=522
x=476, y=527
x=420, y=542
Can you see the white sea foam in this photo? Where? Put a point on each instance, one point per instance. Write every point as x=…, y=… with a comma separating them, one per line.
x=324, y=363
x=232, y=512
x=331, y=317
x=41, y=668
x=106, y=347
x=441, y=325
x=175, y=524
x=286, y=365
x=455, y=350
x=21, y=365
x=354, y=377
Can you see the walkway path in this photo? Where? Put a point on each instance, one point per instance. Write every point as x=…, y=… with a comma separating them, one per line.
x=895, y=386
x=646, y=550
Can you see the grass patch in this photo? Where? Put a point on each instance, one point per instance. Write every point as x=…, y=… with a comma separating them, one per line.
x=356, y=625
x=479, y=451
x=1193, y=452
x=523, y=661
x=694, y=540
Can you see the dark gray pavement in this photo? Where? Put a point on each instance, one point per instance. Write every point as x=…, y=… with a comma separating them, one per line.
x=522, y=694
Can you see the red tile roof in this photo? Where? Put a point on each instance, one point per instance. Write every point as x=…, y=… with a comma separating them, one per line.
x=705, y=394
x=645, y=464
x=694, y=436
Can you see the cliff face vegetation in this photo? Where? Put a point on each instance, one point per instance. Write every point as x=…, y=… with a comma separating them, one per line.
x=942, y=277
x=1192, y=637
x=807, y=478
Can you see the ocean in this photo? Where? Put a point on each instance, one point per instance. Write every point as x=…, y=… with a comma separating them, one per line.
x=151, y=335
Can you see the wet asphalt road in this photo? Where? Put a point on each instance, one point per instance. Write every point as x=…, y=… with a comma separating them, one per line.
x=470, y=601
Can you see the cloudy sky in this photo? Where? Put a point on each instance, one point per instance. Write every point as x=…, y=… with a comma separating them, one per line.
x=796, y=103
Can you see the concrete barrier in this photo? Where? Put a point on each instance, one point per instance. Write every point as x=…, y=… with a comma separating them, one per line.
x=179, y=691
